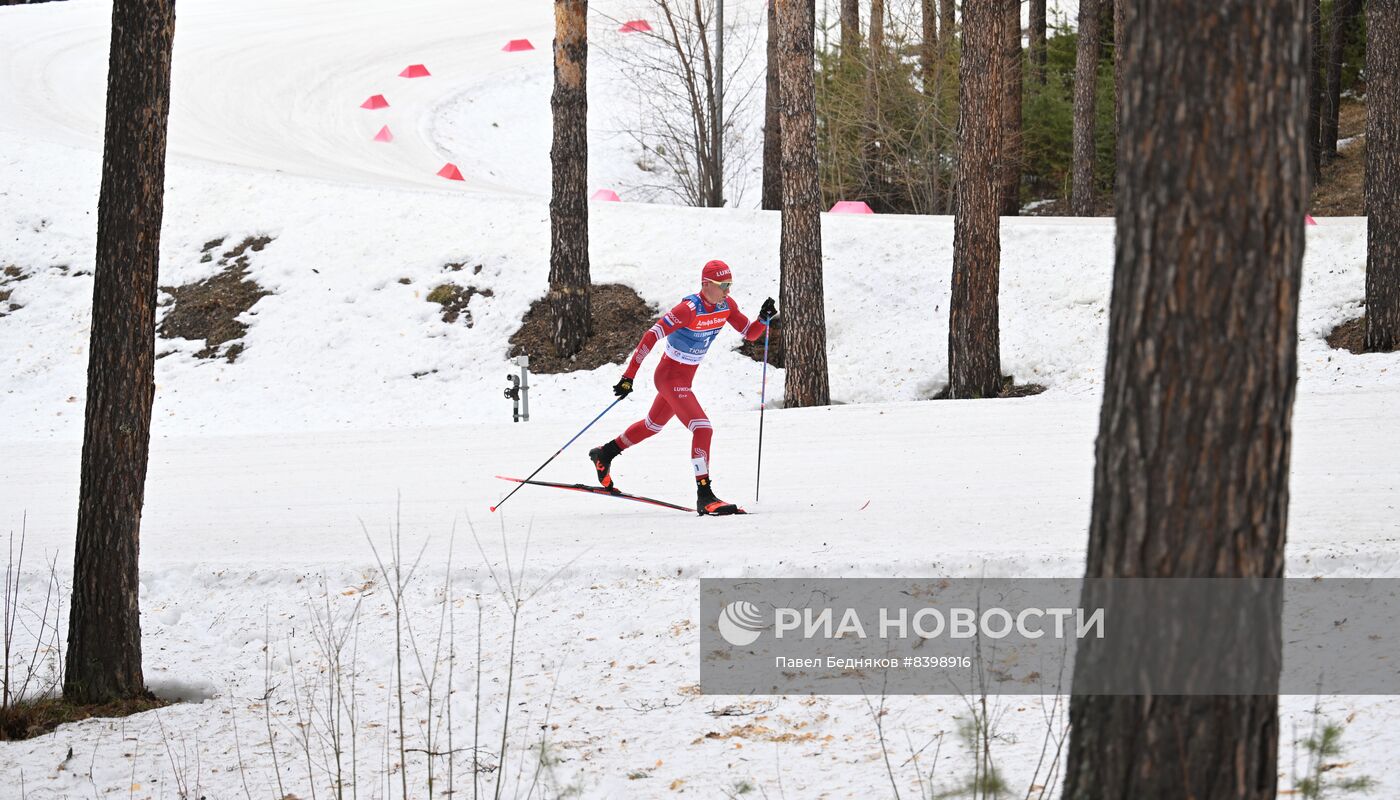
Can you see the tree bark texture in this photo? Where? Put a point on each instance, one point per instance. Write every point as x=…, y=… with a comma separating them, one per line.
x=801, y=296
x=947, y=25
x=877, y=27
x=1117, y=61
x=1086, y=71
x=1344, y=14
x=850, y=27
x=931, y=71
x=568, y=204
x=104, y=627
x=1037, y=34
x=928, y=43
x=1192, y=456
x=1383, y=175
x=1315, y=84
x=1011, y=112
x=875, y=186
x=974, y=337
x=772, y=126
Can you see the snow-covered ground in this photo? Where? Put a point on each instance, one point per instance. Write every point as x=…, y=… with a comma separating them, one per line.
x=271, y=477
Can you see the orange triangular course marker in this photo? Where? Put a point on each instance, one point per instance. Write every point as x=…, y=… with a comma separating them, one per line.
x=450, y=172
x=384, y=135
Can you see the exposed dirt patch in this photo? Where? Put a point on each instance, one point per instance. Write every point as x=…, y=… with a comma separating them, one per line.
x=9, y=276
x=454, y=300
x=1009, y=388
x=1060, y=207
x=620, y=317
x=1350, y=336
x=1341, y=188
x=776, y=352
x=209, y=309
x=27, y=720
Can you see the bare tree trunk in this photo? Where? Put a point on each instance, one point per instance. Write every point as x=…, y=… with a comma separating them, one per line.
x=1344, y=14
x=1086, y=72
x=1192, y=455
x=1383, y=175
x=850, y=27
x=931, y=69
x=877, y=26
x=1037, y=49
x=772, y=128
x=947, y=26
x=974, y=337
x=568, y=205
x=875, y=187
x=804, y=312
x=1117, y=62
x=104, y=624
x=928, y=43
x=1315, y=79
x=1011, y=113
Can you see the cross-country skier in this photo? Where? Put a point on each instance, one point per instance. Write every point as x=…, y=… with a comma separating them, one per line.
x=688, y=329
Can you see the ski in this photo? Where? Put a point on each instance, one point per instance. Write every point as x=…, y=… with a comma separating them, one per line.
x=598, y=490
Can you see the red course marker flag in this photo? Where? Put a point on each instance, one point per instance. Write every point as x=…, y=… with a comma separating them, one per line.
x=607, y=195
x=384, y=135
x=635, y=26
x=375, y=102
x=1308, y=218
x=414, y=71
x=516, y=45
x=450, y=172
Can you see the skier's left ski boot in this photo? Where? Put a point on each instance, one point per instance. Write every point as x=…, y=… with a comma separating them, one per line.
x=602, y=463
x=708, y=505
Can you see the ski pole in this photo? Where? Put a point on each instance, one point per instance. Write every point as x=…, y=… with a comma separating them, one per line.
x=556, y=453
x=762, y=404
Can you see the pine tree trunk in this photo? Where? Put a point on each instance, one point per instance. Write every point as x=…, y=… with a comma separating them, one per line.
x=1086, y=71
x=772, y=128
x=928, y=43
x=1315, y=80
x=947, y=26
x=1192, y=454
x=104, y=628
x=931, y=70
x=1037, y=50
x=804, y=310
x=1011, y=113
x=1344, y=14
x=974, y=347
x=877, y=26
x=1117, y=62
x=850, y=27
x=875, y=187
x=1383, y=175
x=568, y=205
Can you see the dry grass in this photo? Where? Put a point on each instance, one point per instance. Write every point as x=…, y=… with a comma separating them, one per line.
x=620, y=317
x=30, y=719
x=1341, y=189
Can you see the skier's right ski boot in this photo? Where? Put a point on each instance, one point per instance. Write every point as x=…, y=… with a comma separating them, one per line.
x=602, y=463
x=707, y=504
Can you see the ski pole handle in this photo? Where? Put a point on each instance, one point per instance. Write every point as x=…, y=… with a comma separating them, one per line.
x=556, y=453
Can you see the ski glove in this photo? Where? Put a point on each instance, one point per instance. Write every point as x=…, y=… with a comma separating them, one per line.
x=768, y=311
x=623, y=387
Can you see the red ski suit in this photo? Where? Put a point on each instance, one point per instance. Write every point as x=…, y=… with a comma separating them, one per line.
x=688, y=329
